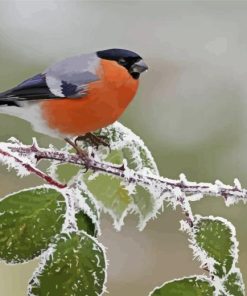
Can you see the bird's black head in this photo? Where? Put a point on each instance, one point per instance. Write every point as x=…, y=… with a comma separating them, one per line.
x=126, y=58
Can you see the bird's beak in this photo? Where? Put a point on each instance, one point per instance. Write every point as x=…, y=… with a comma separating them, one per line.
x=139, y=67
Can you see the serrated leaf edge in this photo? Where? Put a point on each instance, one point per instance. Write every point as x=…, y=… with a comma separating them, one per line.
x=44, y=186
x=198, y=277
x=203, y=257
x=49, y=253
x=131, y=139
x=241, y=281
x=81, y=203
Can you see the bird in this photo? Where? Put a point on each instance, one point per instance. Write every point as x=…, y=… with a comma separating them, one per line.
x=79, y=95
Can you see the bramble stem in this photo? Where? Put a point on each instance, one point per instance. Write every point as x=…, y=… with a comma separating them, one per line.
x=159, y=183
x=32, y=169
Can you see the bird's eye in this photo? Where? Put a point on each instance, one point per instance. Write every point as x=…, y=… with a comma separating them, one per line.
x=122, y=61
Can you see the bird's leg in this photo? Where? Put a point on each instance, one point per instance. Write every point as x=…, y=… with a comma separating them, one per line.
x=94, y=140
x=82, y=153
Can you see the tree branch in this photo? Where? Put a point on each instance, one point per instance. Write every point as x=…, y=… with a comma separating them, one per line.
x=159, y=184
x=32, y=169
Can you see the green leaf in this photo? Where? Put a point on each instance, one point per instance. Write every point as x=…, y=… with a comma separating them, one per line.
x=84, y=222
x=66, y=171
x=193, y=286
x=90, y=201
x=144, y=202
x=215, y=237
x=234, y=284
x=132, y=147
x=88, y=220
x=146, y=161
x=111, y=191
x=76, y=266
x=108, y=190
x=29, y=219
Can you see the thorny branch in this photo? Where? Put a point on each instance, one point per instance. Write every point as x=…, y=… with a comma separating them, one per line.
x=32, y=169
x=160, y=184
x=181, y=190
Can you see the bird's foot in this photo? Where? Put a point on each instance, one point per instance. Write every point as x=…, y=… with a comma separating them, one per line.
x=94, y=140
x=81, y=152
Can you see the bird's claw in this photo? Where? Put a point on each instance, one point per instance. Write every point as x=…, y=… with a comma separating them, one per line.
x=94, y=140
x=82, y=153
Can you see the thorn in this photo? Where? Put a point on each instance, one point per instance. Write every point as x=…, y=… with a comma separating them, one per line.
x=237, y=184
x=123, y=166
x=183, y=179
x=34, y=144
x=189, y=221
x=38, y=158
x=205, y=267
x=224, y=196
x=218, y=183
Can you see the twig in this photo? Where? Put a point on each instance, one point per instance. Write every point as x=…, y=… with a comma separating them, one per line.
x=32, y=169
x=160, y=184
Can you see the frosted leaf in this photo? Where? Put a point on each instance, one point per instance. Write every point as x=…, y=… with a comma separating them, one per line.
x=116, y=196
x=74, y=265
x=234, y=284
x=194, y=285
x=123, y=138
x=29, y=219
x=86, y=207
x=213, y=241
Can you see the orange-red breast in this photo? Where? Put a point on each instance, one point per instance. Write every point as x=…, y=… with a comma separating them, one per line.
x=77, y=95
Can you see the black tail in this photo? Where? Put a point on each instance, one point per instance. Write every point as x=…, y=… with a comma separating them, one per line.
x=34, y=88
x=8, y=103
x=6, y=100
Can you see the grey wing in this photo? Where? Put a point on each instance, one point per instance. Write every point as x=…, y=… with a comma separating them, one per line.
x=69, y=78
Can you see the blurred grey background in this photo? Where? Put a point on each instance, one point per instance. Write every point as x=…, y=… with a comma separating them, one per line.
x=190, y=110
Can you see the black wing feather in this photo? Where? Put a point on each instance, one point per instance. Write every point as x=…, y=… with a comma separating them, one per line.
x=34, y=88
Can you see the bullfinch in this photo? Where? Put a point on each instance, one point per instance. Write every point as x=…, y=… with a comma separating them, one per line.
x=78, y=95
